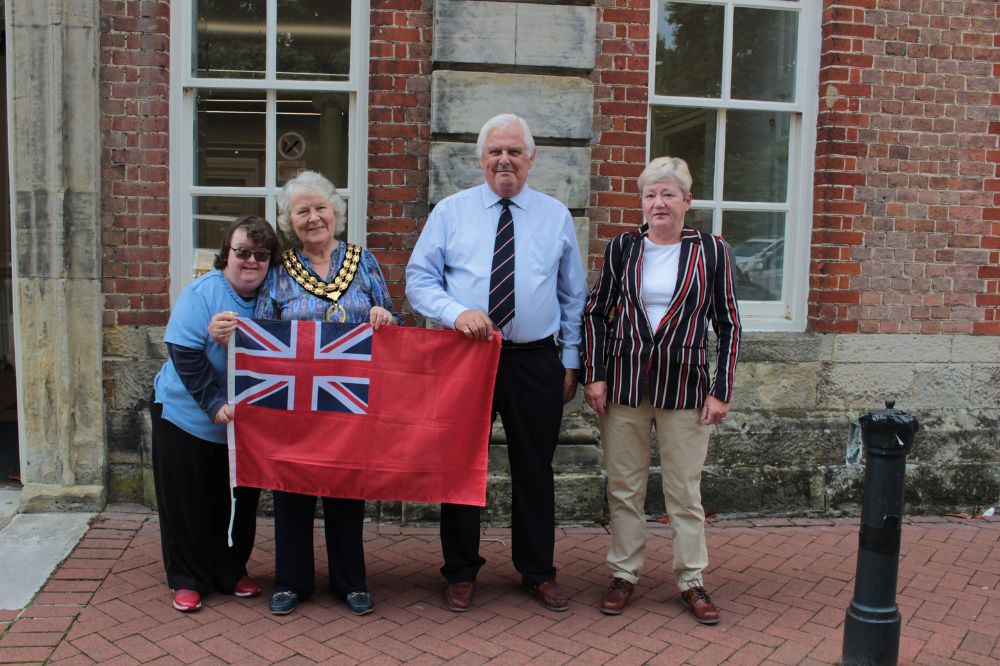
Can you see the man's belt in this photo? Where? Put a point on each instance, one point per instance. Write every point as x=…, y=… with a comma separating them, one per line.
x=544, y=343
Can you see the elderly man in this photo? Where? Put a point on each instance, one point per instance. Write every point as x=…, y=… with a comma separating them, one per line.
x=502, y=256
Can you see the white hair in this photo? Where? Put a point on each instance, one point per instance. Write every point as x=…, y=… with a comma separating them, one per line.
x=503, y=120
x=667, y=167
x=310, y=183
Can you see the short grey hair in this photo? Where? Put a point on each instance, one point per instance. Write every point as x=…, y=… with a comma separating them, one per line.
x=662, y=168
x=503, y=120
x=309, y=183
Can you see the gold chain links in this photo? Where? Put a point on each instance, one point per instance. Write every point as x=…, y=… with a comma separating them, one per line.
x=333, y=290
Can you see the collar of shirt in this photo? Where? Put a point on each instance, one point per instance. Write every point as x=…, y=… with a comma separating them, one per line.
x=491, y=198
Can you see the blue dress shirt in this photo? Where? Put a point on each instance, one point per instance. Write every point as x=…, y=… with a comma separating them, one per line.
x=449, y=269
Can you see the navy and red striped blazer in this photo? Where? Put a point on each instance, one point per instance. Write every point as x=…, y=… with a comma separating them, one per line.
x=669, y=363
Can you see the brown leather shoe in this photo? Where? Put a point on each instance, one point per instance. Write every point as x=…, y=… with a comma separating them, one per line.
x=549, y=594
x=700, y=605
x=458, y=596
x=617, y=596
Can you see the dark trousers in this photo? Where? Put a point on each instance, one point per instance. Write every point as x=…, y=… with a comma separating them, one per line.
x=343, y=524
x=528, y=398
x=192, y=499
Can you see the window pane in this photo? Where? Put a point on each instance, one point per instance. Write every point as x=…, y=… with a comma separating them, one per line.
x=756, y=156
x=230, y=41
x=229, y=138
x=757, y=247
x=312, y=134
x=764, y=54
x=212, y=216
x=699, y=219
x=690, y=135
x=314, y=39
x=689, y=50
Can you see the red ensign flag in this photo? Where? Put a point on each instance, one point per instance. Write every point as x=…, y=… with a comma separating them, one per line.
x=343, y=410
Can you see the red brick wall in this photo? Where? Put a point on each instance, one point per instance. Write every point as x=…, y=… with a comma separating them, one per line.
x=398, y=132
x=134, y=160
x=906, y=228
x=620, y=106
x=906, y=232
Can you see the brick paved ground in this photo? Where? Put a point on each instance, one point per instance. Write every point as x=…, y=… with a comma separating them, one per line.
x=783, y=586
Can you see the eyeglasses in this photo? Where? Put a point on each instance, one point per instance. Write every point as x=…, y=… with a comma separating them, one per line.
x=259, y=255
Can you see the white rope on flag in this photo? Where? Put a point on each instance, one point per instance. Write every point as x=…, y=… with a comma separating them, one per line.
x=231, y=433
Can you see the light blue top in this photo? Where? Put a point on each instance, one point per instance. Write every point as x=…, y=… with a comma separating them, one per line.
x=188, y=327
x=449, y=269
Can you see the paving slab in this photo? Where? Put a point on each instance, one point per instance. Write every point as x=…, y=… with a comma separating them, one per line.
x=31, y=547
x=10, y=501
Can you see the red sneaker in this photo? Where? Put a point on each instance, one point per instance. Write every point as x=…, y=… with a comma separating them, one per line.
x=246, y=587
x=187, y=601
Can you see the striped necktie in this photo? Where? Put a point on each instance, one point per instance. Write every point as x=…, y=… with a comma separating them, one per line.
x=502, y=277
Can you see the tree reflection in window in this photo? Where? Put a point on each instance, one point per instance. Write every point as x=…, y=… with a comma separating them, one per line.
x=230, y=38
x=313, y=39
x=689, y=50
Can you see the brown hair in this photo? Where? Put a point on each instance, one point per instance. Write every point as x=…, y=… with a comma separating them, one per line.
x=259, y=231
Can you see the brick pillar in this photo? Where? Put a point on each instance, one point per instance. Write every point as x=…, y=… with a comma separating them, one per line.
x=621, y=95
x=398, y=133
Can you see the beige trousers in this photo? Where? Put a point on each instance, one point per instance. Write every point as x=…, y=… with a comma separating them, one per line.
x=683, y=439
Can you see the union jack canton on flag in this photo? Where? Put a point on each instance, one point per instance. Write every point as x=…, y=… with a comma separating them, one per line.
x=326, y=393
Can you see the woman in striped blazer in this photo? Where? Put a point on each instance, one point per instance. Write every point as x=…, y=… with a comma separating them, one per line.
x=645, y=362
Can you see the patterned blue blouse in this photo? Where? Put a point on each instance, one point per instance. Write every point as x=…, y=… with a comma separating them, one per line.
x=281, y=297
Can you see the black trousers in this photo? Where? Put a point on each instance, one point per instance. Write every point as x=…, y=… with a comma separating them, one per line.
x=192, y=499
x=343, y=524
x=528, y=398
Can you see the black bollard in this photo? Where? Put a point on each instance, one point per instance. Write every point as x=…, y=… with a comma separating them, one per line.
x=871, y=630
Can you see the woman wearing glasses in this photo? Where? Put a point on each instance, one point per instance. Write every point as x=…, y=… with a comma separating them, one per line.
x=189, y=415
x=320, y=279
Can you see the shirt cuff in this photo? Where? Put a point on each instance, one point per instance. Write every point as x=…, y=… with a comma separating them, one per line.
x=451, y=313
x=571, y=358
x=214, y=407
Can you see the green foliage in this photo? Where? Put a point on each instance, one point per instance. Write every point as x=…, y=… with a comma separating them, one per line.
x=690, y=66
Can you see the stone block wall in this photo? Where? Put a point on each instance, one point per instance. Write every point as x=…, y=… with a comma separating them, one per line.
x=783, y=448
x=132, y=357
x=781, y=452
x=532, y=61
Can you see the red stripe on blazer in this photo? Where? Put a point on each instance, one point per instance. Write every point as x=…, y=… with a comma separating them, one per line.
x=670, y=363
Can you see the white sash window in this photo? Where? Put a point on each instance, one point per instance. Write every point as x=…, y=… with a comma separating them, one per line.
x=733, y=90
x=260, y=90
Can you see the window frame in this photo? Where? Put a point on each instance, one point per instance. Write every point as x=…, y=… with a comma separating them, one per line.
x=183, y=91
x=790, y=313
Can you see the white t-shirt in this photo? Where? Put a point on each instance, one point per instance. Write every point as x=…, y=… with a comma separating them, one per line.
x=659, y=277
